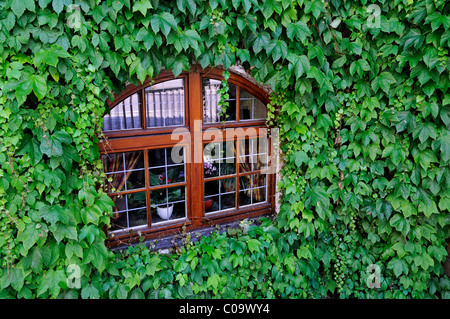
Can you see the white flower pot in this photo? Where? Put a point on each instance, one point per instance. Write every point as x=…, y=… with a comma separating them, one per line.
x=165, y=212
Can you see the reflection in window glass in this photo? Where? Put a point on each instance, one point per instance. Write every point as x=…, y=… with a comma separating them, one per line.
x=124, y=116
x=124, y=171
x=130, y=210
x=250, y=108
x=219, y=159
x=253, y=154
x=165, y=104
x=211, y=98
x=252, y=189
x=166, y=166
x=220, y=195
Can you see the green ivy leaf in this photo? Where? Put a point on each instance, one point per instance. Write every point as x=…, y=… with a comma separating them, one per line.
x=253, y=245
x=164, y=22
x=39, y=86
x=399, y=266
x=142, y=6
x=97, y=254
x=400, y=223
x=261, y=41
x=53, y=214
x=32, y=233
x=300, y=65
x=425, y=131
x=58, y=5
x=298, y=30
x=18, y=7
x=50, y=55
x=277, y=49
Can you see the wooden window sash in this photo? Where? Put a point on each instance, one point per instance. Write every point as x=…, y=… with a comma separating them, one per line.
x=160, y=137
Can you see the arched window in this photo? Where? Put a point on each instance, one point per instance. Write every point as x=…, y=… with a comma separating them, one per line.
x=172, y=159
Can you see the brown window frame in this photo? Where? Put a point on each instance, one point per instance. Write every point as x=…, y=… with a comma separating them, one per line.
x=155, y=138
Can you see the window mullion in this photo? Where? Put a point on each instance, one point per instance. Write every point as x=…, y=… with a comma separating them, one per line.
x=196, y=183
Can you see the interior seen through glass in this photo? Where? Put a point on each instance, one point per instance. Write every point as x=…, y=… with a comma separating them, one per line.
x=124, y=116
x=220, y=173
x=164, y=106
x=125, y=173
x=165, y=103
x=211, y=98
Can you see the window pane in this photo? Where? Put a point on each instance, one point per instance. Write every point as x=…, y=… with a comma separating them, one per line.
x=130, y=210
x=135, y=179
x=253, y=154
x=252, y=189
x=250, y=108
x=113, y=162
x=166, y=166
x=168, y=204
x=211, y=98
x=124, y=171
x=219, y=159
x=220, y=195
x=165, y=104
x=137, y=209
x=124, y=116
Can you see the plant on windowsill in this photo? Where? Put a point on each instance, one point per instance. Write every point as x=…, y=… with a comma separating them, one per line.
x=208, y=204
x=164, y=208
x=173, y=175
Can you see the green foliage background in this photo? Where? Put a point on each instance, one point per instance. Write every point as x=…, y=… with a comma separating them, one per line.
x=361, y=97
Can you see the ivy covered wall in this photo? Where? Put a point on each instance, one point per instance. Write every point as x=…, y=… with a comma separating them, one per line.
x=361, y=97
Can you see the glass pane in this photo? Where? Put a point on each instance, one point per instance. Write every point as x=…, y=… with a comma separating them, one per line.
x=259, y=195
x=120, y=203
x=175, y=155
x=137, y=217
x=259, y=180
x=245, y=182
x=126, y=115
x=166, y=156
x=252, y=189
x=250, y=108
x=157, y=176
x=219, y=159
x=134, y=170
x=253, y=154
x=220, y=195
x=130, y=210
x=261, y=163
x=136, y=200
x=165, y=103
x=245, y=197
x=135, y=179
x=164, y=168
x=211, y=98
x=113, y=162
x=134, y=160
x=118, y=221
x=157, y=157
x=124, y=171
x=168, y=204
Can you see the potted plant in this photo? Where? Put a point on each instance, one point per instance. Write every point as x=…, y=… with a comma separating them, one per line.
x=164, y=208
x=208, y=203
x=173, y=174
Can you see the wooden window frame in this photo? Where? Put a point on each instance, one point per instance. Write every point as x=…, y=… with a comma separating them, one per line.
x=156, y=138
